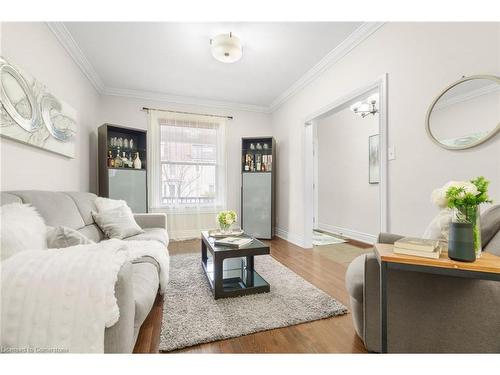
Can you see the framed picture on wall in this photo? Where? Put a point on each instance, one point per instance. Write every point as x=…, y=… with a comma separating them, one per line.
x=373, y=159
x=31, y=114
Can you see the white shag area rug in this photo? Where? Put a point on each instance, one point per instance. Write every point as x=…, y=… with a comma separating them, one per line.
x=192, y=316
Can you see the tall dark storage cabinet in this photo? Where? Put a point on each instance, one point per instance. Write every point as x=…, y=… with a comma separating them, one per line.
x=123, y=182
x=258, y=176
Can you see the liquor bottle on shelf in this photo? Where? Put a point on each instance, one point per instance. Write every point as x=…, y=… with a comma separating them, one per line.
x=258, y=161
x=247, y=162
x=124, y=160
x=118, y=160
x=111, y=162
x=137, y=161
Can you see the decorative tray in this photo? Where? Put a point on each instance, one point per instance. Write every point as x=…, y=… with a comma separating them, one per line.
x=216, y=233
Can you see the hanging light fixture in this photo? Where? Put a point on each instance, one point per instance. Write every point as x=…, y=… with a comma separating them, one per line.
x=366, y=107
x=226, y=48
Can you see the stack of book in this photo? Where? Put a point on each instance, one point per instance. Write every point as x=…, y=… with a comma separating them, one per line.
x=418, y=247
x=233, y=241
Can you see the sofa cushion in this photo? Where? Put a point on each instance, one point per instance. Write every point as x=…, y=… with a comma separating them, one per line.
x=150, y=234
x=92, y=232
x=490, y=224
x=61, y=237
x=117, y=223
x=493, y=246
x=145, y=285
x=85, y=202
x=354, y=278
x=57, y=209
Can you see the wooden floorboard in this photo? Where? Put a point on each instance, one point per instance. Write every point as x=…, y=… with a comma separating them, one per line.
x=331, y=335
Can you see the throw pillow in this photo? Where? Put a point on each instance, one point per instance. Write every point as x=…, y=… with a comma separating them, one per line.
x=117, y=223
x=105, y=204
x=60, y=237
x=22, y=228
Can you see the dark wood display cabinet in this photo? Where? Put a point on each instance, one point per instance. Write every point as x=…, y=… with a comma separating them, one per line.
x=122, y=161
x=258, y=186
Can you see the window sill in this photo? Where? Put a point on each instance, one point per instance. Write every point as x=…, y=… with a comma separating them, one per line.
x=188, y=210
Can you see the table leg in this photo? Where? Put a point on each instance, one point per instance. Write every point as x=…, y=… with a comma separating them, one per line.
x=249, y=279
x=383, y=307
x=218, y=276
x=203, y=252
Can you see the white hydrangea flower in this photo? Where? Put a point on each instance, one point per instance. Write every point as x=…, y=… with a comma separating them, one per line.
x=438, y=197
x=229, y=218
x=470, y=188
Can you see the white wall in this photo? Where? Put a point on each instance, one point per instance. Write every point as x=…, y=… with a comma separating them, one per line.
x=420, y=59
x=347, y=202
x=127, y=112
x=34, y=48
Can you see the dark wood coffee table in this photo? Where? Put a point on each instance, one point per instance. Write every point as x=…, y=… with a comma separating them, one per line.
x=230, y=271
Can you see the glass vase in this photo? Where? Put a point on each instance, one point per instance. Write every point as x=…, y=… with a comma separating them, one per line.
x=225, y=228
x=471, y=215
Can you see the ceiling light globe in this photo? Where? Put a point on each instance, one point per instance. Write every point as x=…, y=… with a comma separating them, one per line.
x=226, y=48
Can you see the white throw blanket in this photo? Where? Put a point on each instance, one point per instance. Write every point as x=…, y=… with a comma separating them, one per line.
x=61, y=300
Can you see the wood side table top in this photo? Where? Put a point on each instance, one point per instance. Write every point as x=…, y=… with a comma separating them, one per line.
x=486, y=263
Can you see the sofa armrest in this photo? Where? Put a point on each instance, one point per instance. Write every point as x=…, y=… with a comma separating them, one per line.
x=119, y=338
x=371, y=299
x=388, y=238
x=157, y=220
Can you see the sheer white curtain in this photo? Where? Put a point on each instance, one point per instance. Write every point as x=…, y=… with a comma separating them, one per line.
x=187, y=170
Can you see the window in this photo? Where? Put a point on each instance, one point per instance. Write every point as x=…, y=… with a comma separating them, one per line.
x=191, y=162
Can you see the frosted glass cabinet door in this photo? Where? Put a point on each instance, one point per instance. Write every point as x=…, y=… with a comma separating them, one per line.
x=257, y=197
x=129, y=185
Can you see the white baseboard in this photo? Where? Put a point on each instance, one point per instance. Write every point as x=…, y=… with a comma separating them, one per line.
x=349, y=233
x=290, y=237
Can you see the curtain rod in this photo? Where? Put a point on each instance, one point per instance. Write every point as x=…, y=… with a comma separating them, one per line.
x=185, y=113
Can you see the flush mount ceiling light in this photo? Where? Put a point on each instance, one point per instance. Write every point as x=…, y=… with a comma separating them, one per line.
x=226, y=48
x=366, y=107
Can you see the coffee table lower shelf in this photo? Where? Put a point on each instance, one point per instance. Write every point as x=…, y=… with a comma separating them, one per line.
x=236, y=282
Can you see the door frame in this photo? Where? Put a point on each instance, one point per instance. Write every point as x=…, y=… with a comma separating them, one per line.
x=310, y=162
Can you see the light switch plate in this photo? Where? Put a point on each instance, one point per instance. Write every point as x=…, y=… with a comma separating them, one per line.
x=391, y=153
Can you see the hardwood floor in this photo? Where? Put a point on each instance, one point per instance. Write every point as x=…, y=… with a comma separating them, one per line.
x=332, y=335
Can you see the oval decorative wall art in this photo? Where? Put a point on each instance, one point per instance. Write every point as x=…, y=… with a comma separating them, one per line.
x=30, y=114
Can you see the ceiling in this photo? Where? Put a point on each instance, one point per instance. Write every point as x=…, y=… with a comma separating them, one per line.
x=175, y=59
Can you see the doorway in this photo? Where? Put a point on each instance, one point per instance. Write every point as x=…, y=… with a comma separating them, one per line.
x=346, y=168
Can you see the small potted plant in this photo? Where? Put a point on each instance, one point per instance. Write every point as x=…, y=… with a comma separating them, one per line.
x=464, y=198
x=225, y=220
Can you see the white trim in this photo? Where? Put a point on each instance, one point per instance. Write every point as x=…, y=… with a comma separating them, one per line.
x=309, y=122
x=349, y=233
x=66, y=40
x=69, y=44
x=315, y=177
x=290, y=237
x=358, y=36
x=157, y=96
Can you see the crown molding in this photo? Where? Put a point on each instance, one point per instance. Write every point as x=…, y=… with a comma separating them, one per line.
x=358, y=36
x=69, y=44
x=151, y=95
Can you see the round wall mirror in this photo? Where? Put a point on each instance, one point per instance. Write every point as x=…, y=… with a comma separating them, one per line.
x=466, y=113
